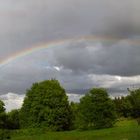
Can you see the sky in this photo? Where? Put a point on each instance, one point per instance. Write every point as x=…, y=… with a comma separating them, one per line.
x=90, y=43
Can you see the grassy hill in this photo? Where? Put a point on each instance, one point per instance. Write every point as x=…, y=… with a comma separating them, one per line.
x=124, y=130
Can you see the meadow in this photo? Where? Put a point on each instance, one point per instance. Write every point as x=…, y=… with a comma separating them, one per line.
x=123, y=130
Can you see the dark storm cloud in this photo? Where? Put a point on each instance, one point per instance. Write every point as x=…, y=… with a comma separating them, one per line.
x=78, y=66
x=120, y=59
x=24, y=23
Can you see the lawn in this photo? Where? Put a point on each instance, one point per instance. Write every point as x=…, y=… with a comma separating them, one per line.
x=123, y=130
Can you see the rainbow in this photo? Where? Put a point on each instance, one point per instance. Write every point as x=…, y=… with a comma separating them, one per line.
x=39, y=47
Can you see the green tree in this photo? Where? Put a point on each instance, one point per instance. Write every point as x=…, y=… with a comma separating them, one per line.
x=12, y=120
x=46, y=104
x=96, y=110
x=2, y=115
x=134, y=99
x=74, y=109
x=123, y=107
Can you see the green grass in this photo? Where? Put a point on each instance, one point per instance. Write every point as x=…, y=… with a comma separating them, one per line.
x=124, y=130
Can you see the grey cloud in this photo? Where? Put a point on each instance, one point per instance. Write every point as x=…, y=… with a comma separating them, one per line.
x=83, y=64
x=25, y=23
x=121, y=58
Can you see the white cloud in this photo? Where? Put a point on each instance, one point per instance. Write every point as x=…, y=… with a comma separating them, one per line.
x=118, y=78
x=12, y=101
x=15, y=101
x=74, y=97
x=57, y=68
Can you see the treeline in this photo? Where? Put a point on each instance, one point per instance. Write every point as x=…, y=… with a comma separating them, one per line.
x=128, y=106
x=46, y=105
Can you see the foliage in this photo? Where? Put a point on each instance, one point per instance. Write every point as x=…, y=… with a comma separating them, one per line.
x=134, y=99
x=123, y=107
x=4, y=134
x=2, y=115
x=46, y=105
x=2, y=109
x=96, y=110
x=12, y=120
x=74, y=109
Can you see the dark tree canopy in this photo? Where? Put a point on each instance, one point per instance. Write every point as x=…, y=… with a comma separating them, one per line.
x=12, y=119
x=2, y=108
x=46, y=104
x=96, y=109
x=134, y=99
x=2, y=115
x=123, y=107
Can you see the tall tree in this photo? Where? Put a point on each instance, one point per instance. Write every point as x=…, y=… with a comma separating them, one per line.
x=96, y=110
x=46, y=104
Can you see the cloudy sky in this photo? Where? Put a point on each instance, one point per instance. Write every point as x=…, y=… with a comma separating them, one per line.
x=99, y=46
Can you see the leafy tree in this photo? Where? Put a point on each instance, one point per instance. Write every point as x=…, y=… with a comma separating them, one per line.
x=12, y=120
x=134, y=99
x=2, y=115
x=96, y=110
x=4, y=134
x=74, y=109
x=123, y=107
x=46, y=104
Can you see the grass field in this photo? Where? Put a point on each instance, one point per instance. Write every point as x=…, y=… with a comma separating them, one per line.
x=124, y=130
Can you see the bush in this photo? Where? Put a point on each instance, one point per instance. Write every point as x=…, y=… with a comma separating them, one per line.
x=4, y=134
